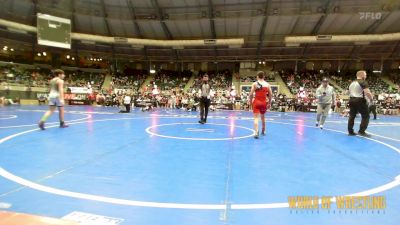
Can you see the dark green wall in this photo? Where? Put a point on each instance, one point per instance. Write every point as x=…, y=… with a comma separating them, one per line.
x=20, y=94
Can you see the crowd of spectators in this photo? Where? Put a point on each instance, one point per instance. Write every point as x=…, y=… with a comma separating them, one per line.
x=270, y=77
x=395, y=78
x=303, y=81
x=171, y=94
x=168, y=80
x=303, y=86
x=167, y=91
x=20, y=76
x=132, y=83
x=375, y=82
x=39, y=77
x=84, y=79
x=219, y=81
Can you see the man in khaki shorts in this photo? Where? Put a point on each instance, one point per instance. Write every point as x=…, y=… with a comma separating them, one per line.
x=326, y=98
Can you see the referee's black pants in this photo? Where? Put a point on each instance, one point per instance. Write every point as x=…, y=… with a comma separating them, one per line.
x=358, y=105
x=372, y=108
x=128, y=107
x=204, y=105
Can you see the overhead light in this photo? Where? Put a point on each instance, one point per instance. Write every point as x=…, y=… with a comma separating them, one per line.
x=5, y=47
x=264, y=62
x=259, y=62
x=12, y=49
x=292, y=44
x=73, y=58
x=336, y=9
x=39, y=54
x=91, y=59
x=151, y=17
x=377, y=71
x=16, y=30
x=68, y=56
x=324, y=37
x=88, y=42
x=44, y=53
x=362, y=43
x=136, y=46
x=152, y=71
x=235, y=46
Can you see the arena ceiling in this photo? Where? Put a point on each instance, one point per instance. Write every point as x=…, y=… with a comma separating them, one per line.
x=263, y=25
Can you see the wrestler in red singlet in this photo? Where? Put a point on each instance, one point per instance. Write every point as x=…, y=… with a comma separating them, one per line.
x=262, y=90
x=260, y=98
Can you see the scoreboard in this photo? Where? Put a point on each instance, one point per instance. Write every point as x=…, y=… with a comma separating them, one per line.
x=53, y=31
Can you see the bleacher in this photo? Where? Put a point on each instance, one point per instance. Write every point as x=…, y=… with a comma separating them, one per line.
x=169, y=80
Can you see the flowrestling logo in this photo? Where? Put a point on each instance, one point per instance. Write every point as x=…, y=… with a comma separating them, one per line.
x=370, y=15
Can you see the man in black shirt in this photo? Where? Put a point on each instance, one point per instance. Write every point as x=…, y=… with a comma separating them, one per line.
x=205, y=101
x=372, y=108
x=359, y=93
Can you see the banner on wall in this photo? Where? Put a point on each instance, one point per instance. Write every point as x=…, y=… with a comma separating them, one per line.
x=80, y=90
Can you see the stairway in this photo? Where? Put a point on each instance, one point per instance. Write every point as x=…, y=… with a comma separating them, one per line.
x=147, y=81
x=389, y=82
x=283, y=88
x=107, y=81
x=335, y=85
x=190, y=81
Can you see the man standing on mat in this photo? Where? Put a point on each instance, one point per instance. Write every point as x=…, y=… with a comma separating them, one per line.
x=359, y=93
x=56, y=98
x=205, y=99
x=260, y=105
x=326, y=99
x=372, y=108
x=127, y=104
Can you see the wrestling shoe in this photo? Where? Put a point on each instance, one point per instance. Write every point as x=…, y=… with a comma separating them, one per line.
x=41, y=125
x=63, y=125
x=364, y=134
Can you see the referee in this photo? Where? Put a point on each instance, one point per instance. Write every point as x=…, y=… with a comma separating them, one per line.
x=205, y=101
x=359, y=93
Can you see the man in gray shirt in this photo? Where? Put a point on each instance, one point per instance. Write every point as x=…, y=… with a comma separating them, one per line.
x=326, y=98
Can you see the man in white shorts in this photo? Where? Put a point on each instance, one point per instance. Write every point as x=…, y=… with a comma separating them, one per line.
x=56, y=99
